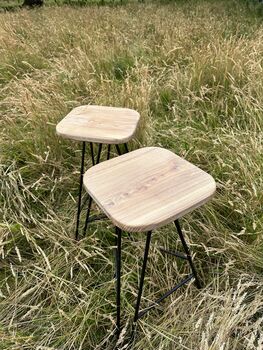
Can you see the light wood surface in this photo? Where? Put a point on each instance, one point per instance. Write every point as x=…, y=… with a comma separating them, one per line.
x=99, y=124
x=147, y=188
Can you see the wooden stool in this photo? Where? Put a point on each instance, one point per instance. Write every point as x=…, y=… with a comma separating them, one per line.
x=142, y=191
x=102, y=125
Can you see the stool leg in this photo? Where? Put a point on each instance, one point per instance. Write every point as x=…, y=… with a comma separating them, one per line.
x=80, y=188
x=118, y=150
x=126, y=148
x=108, y=152
x=188, y=254
x=118, y=279
x=92, y=153
x=119, y=153
x=90, y=199
x=99, y=153
x=146, y=251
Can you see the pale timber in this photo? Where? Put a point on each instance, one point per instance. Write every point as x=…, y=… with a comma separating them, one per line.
x=99, y=124
x=147, y=188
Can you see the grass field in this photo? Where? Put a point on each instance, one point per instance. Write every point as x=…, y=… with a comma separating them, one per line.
x=194, y=71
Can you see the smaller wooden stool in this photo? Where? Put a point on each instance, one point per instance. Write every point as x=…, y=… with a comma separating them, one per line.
x=102, y=125
x=142, y=191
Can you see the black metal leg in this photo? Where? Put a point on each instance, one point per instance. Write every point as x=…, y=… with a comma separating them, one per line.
x=93, y=163
x=184, y=256
x=118, y=279
x=126, y=148
x=146, y=251
x=80, y=188
x=90, y=199
x=81, y=181
x=87, y=216
x=108, y=152
x=188, y=254
x=118, y=149
x=92, y=153
x=99, y=153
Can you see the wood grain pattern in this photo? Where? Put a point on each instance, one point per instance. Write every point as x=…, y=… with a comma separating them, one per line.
x=147, y=188
x=100, y=124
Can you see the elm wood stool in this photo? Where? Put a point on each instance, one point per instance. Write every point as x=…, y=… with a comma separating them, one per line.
x=102, y=125
x=142, y=191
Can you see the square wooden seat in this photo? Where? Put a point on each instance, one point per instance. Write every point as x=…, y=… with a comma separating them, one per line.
x=147, y=188
x=100, y=124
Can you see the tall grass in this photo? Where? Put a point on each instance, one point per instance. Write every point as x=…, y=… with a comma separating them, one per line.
x=194, y=71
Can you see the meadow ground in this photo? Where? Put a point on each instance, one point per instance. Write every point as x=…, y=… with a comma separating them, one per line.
x=194, y=71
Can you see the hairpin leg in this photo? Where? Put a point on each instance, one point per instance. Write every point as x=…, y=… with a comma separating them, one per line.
x=80, y=188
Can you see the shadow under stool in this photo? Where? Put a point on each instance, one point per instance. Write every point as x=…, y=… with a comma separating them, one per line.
x=100, y=125
x=144, y=190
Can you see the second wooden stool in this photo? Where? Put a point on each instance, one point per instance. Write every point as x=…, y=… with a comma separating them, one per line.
x=101, y=125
